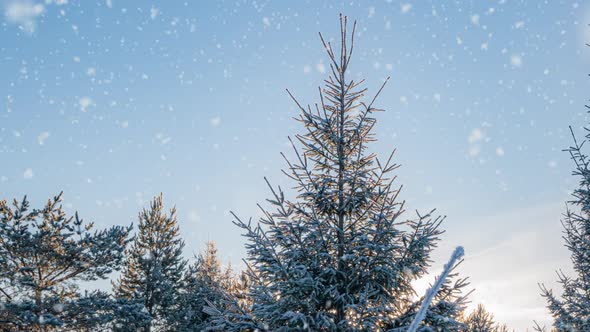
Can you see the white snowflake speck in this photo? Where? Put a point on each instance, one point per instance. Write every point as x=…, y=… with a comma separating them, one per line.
x=28, y=174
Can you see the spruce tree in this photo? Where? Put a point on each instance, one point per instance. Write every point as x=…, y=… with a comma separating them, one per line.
x=480, y=320
x=205, y=282
x=99, y=311
x=341, y=255
x=571, y=311
x=44, y=255
x=154, y=266
x=238, y=289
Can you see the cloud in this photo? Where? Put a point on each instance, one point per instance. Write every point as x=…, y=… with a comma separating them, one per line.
x=507, y=255
x=506, y=276
x=24, y=14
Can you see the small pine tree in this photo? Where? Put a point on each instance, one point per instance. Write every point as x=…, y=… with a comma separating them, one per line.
x=571, y=312
x=43, y=256
x=480, y=320
x=339, y=256
x=154, y=266
x=205, y=282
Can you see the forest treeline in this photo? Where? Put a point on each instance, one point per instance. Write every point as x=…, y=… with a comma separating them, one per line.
x=337, y=252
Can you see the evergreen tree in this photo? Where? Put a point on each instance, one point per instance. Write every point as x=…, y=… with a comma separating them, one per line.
x=571, y=311
x=340, y=256
x=43, y=256
x=99, y=311
x=480, y=320
x=154, y=266
x=239, y=289
x=206, y=282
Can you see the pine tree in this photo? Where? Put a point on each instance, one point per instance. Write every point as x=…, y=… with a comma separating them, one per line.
x=154, y=266
x=572, y=311
x=340, y=256
x=43, y=256
x=205, y=282
x=480, y=320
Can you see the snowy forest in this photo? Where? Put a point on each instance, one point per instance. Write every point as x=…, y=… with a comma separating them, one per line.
x=331, y=244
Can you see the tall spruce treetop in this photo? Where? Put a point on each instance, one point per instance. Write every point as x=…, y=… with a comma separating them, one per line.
x=154, y=267
x=340, y=256
x=43, y=256
x=572, y=311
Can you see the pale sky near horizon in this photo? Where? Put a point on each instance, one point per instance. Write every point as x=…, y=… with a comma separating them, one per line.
x=115, y=101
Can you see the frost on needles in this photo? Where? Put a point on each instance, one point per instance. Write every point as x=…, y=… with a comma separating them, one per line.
x=44, y=255
x=153, y=271
x=342, y=254
x=571, y=311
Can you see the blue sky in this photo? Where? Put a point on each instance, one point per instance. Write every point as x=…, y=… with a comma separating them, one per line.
x=115, y=101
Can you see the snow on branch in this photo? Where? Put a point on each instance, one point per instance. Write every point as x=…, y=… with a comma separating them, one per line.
x=431, y=292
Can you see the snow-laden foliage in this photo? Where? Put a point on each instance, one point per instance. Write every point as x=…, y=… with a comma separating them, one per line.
x=205, y=282
x=342, y=255
x=571, y=311
x=434, y=289
x=44, y=255
x=154, y=267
